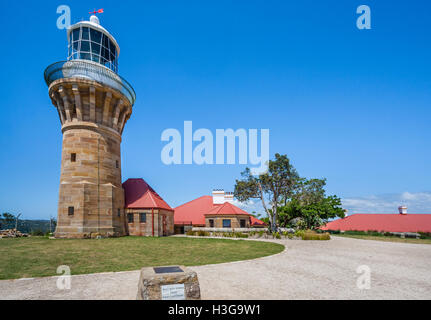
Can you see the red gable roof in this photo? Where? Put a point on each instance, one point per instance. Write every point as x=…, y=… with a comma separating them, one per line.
x=226, y=208
x=139, y=195
x=194, y=211
x=256, y=222
x=383, y=222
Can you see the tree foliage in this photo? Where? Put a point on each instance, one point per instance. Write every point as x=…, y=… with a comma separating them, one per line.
x=285, y=195
x=271, y=187
x=6, y=218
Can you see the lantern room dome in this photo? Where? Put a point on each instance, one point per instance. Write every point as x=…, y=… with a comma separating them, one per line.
x=88, y=40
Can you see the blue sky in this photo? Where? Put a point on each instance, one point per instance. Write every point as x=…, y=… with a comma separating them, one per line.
x=346, y=104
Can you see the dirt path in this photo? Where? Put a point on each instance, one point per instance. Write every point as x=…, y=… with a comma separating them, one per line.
x=305, y=270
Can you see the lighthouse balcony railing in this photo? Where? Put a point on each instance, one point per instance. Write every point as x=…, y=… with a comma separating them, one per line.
x=89, y=70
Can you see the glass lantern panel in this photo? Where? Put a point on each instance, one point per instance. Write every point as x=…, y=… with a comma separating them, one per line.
x=85, y=33
x=85, y=46
x=96, y=36
x=75, y=34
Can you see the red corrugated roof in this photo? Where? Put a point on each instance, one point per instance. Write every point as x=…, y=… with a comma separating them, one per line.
x=226, y=208
x=256, y=222
x=383, y=222
x=195, y=211
x=139, y=195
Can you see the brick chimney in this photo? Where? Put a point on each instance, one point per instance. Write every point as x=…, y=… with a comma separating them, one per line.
x=218, y=196
x=402, y=209
x=228, y=197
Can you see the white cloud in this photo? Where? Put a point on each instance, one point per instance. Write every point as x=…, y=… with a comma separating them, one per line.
x=250, y=204
x=419, y=202
x=416, y=202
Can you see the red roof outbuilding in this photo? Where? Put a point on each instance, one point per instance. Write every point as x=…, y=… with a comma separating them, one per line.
x=140, y=195
x=382, y=222
x=226, y=208
x=194, y=211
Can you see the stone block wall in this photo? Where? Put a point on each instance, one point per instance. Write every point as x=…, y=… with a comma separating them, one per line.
x=139, y=228
x=235, y=220
x=91, y=197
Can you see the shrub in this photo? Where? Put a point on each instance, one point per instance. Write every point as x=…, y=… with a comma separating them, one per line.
x=425, y=235
x=290, y=235
x=311, y=235
x=374, y=233
x=190, y=233
x=276, y=235
x=299, y=233
x=202, y=233
x=240, y=235
x=356, y=232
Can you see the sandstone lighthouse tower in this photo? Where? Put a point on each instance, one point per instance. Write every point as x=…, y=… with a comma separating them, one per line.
x=93, y=103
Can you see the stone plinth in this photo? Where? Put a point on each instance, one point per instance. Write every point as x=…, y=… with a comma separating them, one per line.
x=168, y=283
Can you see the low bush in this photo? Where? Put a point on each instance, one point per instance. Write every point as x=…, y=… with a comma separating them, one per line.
x=299, y=233
x=202, y=233
x=425, y=235
x=240, y=235
x=374, y=233
x=355, y=233
x=311, y=235
x=190, y=233
x=276, y=235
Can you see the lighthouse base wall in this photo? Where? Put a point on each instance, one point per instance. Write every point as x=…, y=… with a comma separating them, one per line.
x=90, y=217
x=91, y=197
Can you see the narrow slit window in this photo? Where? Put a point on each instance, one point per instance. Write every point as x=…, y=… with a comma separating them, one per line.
x=119, y=212
x=73, y=157
x=71, y=211
x=117, y=164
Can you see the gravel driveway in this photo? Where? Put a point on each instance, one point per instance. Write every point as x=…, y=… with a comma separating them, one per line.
x=305, y=270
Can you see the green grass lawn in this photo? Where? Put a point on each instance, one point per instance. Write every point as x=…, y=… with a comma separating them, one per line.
x=385, y=238
x=39, y=256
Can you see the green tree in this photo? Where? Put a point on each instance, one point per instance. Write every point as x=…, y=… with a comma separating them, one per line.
x=280, y=181
x=6, y=219
x=309, y=191
x=314, y=213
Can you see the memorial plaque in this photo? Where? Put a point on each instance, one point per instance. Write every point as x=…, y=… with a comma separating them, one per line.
x=168, y=283
x=173, y=292
x=167, y=269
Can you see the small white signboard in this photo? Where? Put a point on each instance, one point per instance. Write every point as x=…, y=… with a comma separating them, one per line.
x=173, y=292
